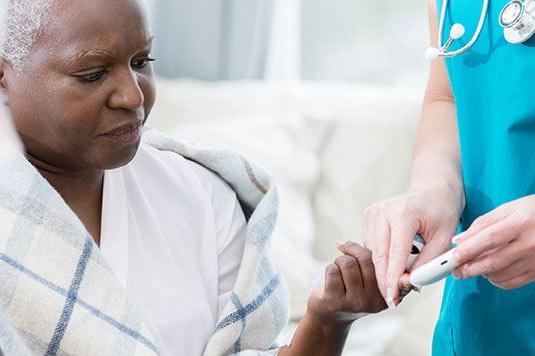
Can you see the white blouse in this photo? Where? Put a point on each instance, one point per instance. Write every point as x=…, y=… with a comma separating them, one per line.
x=173, y=233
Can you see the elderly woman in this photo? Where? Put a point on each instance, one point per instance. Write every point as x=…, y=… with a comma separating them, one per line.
x=112, y=245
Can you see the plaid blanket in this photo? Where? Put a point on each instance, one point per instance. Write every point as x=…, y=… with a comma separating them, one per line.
x=58, y=296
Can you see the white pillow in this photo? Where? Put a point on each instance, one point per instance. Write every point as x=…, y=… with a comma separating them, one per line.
x=182, y=102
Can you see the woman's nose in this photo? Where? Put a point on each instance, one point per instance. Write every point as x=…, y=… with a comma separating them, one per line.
x=127, y=93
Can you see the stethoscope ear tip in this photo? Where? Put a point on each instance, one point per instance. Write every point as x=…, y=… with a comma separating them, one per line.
x=432, y=53
x=457, y=31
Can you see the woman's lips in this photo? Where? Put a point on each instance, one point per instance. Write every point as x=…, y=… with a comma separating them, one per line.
x=126, y=134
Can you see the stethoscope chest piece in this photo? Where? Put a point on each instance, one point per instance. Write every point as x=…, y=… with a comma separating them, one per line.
x=518, y=21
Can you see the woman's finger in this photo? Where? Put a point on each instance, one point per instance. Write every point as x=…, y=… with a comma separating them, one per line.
x=373, y=296
x=493, y=261
x=364, y=259
x=334, y=284
x=488, y=239
x=351, y=276
x=352, y=248
x=369, y=278
x=368, y=293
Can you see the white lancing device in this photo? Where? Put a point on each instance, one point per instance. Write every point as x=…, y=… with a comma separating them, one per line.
x=434, y=270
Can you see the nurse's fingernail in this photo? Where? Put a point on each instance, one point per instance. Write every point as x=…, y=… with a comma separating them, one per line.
x=390, y=298
x=457, y=274
x=341, y=242
x=494, y=283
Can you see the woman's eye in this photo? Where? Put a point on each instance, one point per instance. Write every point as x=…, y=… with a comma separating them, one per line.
x=142, y=62
x=91, y=77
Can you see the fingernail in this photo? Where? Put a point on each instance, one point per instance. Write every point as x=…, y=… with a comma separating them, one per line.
x=341, y=243
x=493, y=283
x=390, y=298
x=457, y=274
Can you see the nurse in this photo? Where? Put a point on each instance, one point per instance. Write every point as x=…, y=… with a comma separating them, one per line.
x=473, y=169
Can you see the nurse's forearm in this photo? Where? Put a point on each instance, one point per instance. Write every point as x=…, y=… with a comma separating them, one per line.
x=437, y=161
x=437, y=158
x=314, y=338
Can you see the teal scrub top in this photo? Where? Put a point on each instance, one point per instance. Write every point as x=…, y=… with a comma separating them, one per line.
x=494, y=89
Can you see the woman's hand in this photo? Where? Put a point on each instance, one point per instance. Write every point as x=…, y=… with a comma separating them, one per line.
x=500, y=245
x=390, y=226
x=350, y=288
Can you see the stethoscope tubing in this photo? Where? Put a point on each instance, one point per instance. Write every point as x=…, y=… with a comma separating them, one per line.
x=444, y=47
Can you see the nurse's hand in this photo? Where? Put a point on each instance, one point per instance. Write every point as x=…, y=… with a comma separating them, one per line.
x=500, y=245
x=390, y=226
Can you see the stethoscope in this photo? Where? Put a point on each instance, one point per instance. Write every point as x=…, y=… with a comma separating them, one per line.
x=517, y=19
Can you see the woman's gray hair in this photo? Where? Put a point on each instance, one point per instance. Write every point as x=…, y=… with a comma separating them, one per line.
x=23, y=20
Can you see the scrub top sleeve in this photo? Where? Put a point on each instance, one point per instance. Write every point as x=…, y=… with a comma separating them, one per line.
x=231, y=227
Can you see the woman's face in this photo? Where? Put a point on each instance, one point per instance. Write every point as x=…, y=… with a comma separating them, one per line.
x=86, y=88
